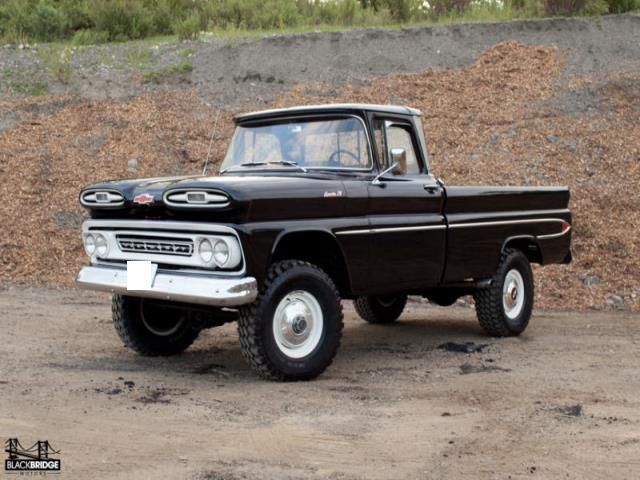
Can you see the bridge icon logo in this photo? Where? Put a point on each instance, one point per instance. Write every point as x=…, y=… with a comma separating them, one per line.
x=38, y=457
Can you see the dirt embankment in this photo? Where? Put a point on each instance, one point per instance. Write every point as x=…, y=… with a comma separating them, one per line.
x=564, y=111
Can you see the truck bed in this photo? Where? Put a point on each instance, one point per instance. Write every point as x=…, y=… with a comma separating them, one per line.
x=482, y=219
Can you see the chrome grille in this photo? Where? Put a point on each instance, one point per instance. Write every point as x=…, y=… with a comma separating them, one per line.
x=156, y=245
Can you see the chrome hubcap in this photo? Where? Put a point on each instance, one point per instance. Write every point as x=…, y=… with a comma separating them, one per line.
x=513, y=294
x=298, y=324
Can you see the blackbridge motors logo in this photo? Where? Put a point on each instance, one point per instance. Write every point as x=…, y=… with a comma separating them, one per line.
x=37, y=458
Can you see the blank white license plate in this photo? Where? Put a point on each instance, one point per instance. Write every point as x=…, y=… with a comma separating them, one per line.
x=140, y=274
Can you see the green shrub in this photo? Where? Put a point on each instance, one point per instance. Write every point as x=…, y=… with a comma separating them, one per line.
x=528, y=8
x=165, y=13
x=91, y=21
x=621, y=6
x=123, y=19
x=76, y=13
x=441, y=8
x=563, y=7
x=46, y=22
x=254, y=14
x=90, y=37
x=595, y=7
x=189, y=28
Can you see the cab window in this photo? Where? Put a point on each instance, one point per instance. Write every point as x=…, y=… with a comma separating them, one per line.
x=389, y=135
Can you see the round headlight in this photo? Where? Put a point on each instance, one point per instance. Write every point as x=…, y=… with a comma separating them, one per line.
x=102, y=245
x=205, y=250
x=221, y=253
x=90, y=245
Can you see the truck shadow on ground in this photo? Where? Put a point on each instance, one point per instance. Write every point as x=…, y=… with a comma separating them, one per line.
x=217, y=352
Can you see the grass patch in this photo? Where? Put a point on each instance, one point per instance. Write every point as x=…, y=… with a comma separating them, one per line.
x=187, y=52
x=156, y=76
x=58, y=60
x=23, y=84
x=90, y=37
x=139, y=57
x=32, y=88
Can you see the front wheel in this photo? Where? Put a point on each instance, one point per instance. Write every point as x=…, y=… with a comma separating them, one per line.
x=152, y=327
x=504, y=309
x=292, y=331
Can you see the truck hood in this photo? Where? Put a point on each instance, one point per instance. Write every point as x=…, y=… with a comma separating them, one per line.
x=261, y=198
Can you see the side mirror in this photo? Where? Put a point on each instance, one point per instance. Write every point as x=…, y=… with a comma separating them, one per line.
x=399, y=161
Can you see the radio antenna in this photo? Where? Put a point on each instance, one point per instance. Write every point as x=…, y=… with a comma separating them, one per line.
x=213, y=134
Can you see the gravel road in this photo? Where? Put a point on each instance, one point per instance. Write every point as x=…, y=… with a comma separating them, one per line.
x=562, y=401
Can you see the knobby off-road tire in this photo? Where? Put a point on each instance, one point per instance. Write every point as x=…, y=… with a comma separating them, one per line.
x=380, y=309
x=293, y=329
x=504, y=309
x=150, y=328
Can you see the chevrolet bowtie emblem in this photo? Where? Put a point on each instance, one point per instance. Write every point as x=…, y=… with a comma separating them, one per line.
x=143, y=199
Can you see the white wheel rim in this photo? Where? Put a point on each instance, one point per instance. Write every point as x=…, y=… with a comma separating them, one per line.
x=298, y=324
x=513, y=294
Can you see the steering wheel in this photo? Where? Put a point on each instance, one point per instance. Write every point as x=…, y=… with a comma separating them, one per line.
x=335, y=162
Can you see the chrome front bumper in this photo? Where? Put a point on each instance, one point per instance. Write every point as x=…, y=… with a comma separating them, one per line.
x=199, y=289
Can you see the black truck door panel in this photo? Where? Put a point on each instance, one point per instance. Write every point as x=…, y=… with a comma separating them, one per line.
x=407, y=239
x=407, y=236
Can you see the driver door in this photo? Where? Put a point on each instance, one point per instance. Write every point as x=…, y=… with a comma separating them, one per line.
x=407, y=225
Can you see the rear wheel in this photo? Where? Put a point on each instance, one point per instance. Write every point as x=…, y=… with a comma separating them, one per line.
x=292, y=331
x=444, y=298
x=151, y=327
x=504, y=309
x=380, y=308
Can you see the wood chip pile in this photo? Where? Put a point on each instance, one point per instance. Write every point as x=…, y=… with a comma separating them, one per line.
x=511, y=117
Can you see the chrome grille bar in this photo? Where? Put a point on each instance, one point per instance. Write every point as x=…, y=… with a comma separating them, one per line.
x=158, y=246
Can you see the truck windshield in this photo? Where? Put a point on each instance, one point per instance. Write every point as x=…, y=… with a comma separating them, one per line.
x=308, y=144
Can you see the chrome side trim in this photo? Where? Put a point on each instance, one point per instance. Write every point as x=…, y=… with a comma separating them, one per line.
x=554, y=235
x=199, y=289
x=458, y=225
x=506, y=222
x=391, y=229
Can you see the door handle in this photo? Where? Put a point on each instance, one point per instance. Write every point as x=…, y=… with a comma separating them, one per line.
x=431, y=189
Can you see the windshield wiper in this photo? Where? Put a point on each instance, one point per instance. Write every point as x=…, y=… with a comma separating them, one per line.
x=290, y=164
x=259, y=164
x=245, y=164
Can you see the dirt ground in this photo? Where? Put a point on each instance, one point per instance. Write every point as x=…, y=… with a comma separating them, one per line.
x=561, y=401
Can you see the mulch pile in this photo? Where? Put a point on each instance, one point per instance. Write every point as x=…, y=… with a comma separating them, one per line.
x=509, y=118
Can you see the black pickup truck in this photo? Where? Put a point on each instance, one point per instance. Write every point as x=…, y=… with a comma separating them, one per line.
x=313, y=205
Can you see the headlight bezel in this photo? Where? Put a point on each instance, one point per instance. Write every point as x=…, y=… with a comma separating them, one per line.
x=96, y=245
x=205, y=245
x=101, y=242
x=234, y=252
x=89, y=242
x=223, y=244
